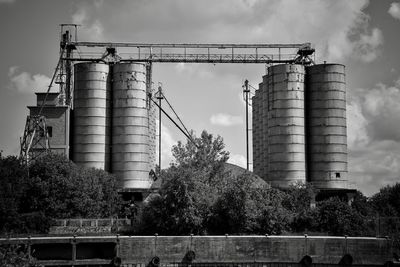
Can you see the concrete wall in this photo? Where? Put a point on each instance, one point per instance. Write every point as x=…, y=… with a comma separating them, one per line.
x=255, y=248
x=172, y=249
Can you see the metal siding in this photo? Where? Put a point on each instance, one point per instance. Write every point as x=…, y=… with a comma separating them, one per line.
x=255, y=133
x=152, y=135
x=285, y=125
x=92, y=113
x=130, y=140
x=327, y=134
x=264, y=123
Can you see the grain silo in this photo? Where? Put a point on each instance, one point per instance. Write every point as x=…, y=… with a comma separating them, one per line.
x=91, y=115
x=326, y=126
x=264, y=121
x=130, y=122
x=286, y=160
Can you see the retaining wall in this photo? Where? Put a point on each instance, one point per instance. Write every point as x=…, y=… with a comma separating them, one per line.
x=172, y=249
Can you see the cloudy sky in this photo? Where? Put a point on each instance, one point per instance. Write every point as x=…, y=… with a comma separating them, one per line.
x=365, y=36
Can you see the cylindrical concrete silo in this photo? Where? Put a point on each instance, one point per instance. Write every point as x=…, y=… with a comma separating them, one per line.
x=130, y=122
x=264, y=122
x=326, y=125
x=92, y=113
x=286, y=125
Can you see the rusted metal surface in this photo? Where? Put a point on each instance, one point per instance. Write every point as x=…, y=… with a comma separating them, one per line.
x=92, y=114
x=286, y=125
x=130, y=122
x=327, y=132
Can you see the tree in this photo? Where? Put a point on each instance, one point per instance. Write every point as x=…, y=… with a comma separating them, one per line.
x=363, y=205
x=206, y=156
x=12, y=191
x=336, y=217
x=298, y=200
x=50, y=186
x=189, y=188
x=274, y=218
x=60, y=189
x=299, y=196
x=245, y=208
x=181, y=208
x=387, y=201
x=386, y=204
x=232, y=211
x=198, y=196
x=15, y=256
x=54, y=187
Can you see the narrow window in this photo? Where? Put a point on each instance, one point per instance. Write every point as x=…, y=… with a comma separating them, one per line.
x=50, y=131
x=338, y=175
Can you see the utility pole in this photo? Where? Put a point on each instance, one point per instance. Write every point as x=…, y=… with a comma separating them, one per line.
x=246, y=92
x=159, y=97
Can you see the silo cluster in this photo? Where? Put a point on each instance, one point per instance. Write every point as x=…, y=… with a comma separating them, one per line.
x=114, y=122
x=299, y=126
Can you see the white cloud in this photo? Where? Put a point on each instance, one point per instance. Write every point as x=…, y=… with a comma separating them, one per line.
x=223, y=119
x=381, y=109
x=167, y=141
x=336, y=37
x=368, y=47
x=91, y=28
x=25, y=82
x=367, y=43
x=374, y=136
x=394, y=10
x=356, y=126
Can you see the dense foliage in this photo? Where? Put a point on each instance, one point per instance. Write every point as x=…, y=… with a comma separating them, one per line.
x=199, y=194
x=15, y=256
x=53, y=187
x=387, y=201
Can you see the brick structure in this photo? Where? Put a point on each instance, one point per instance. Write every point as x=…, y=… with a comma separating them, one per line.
x=57, y=120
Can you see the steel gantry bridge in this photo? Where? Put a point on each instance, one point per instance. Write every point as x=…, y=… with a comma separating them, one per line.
x=198, y=53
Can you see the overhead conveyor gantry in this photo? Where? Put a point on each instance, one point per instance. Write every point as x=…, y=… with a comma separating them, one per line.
x=198, y=53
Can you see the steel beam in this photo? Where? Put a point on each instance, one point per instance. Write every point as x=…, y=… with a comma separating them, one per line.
x=189, y=45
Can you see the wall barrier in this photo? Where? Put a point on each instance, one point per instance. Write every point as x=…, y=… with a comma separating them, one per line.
x=240, y=251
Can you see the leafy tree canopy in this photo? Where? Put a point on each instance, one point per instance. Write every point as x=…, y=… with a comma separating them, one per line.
x=198, y=196
x=206, y=156
x=387, y=201
x=52, y=187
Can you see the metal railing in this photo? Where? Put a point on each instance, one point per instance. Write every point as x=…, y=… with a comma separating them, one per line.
x=193, y=58
x=92, y=222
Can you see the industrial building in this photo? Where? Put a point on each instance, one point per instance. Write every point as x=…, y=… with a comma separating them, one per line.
x=104, y=114
x=57, y=123
x=299, y=126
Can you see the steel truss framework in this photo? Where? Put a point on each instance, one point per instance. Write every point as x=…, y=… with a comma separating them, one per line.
x=199, y=53
x=35, y=141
